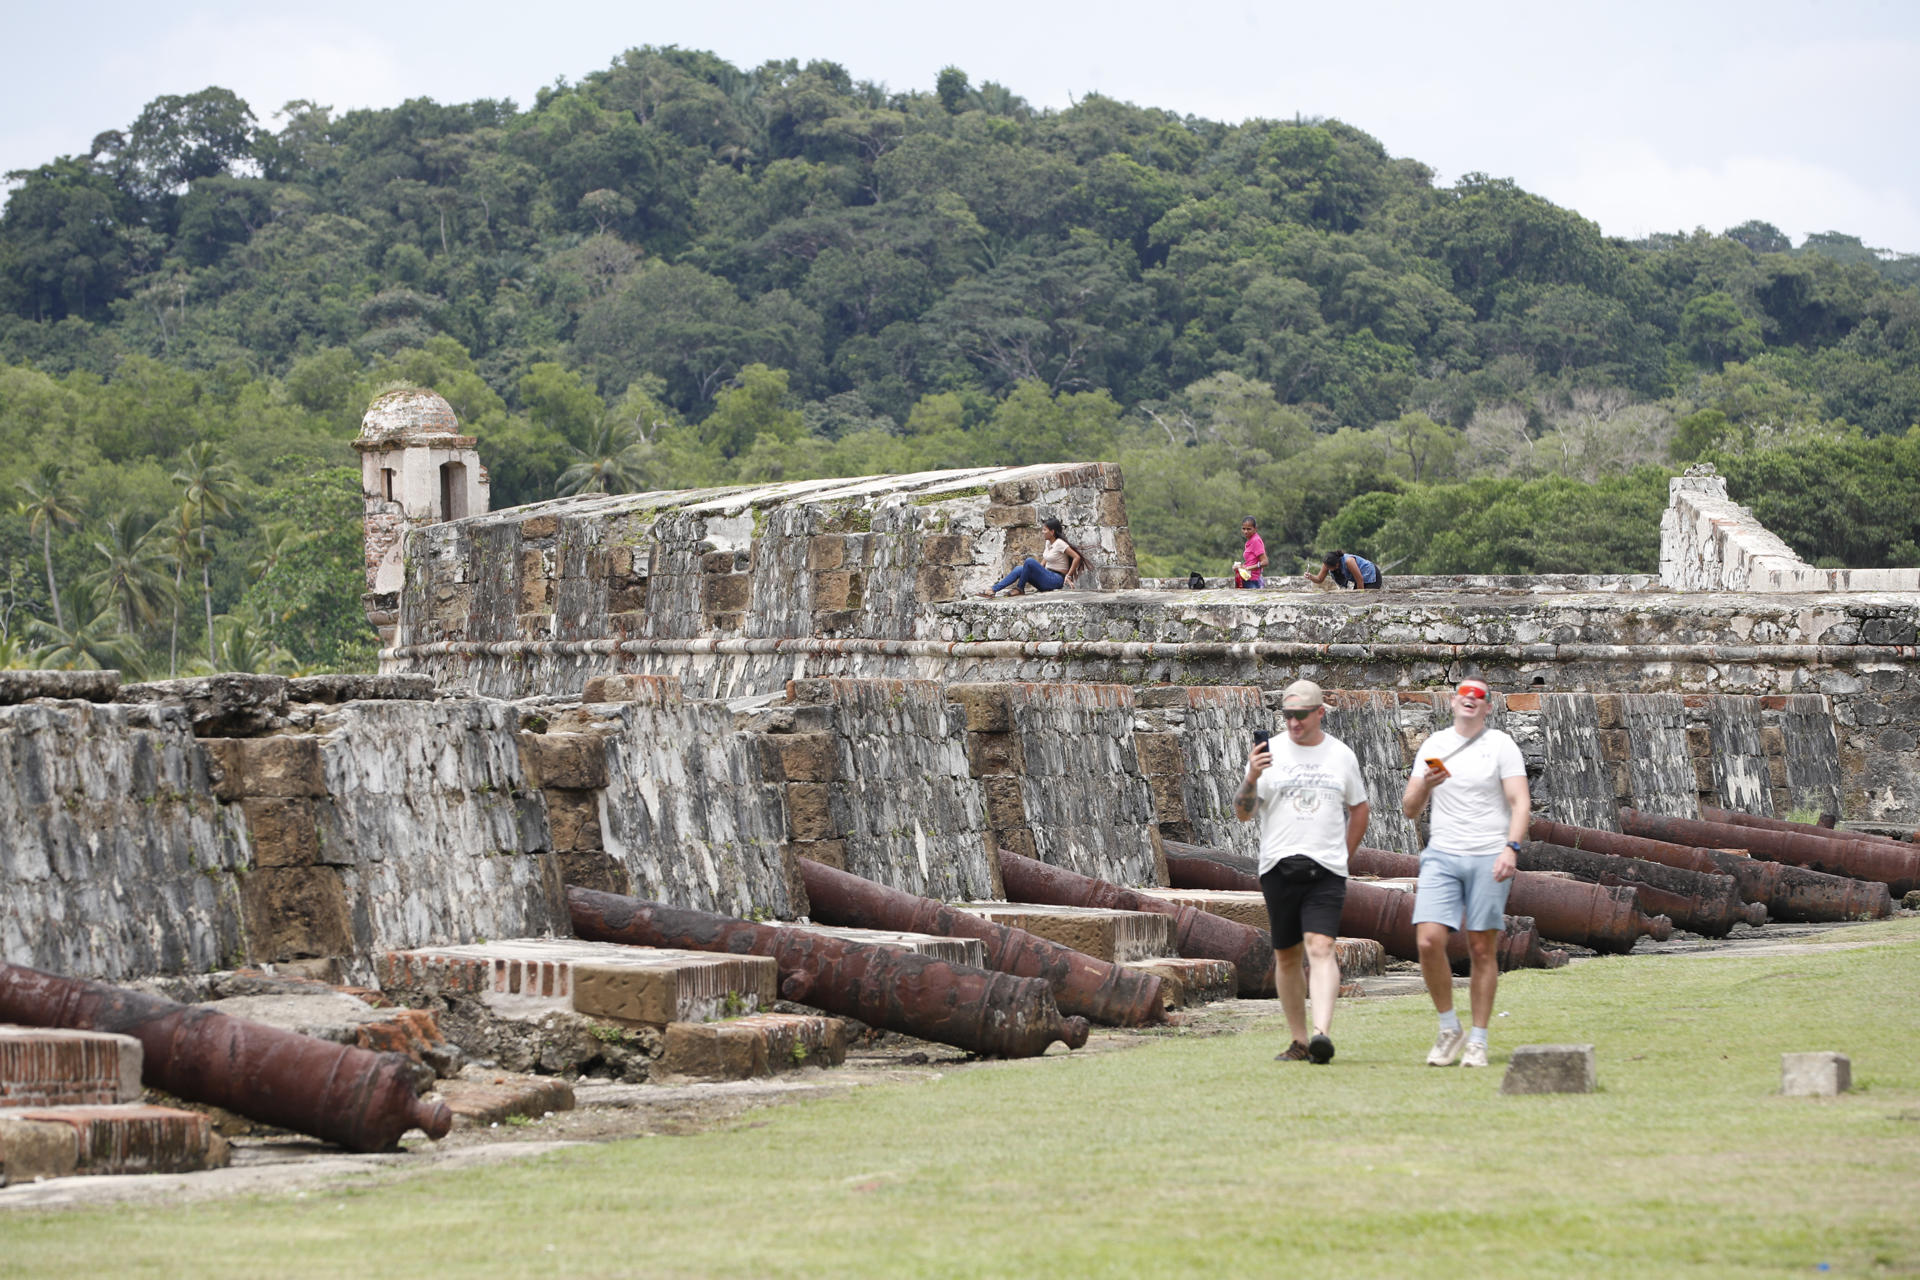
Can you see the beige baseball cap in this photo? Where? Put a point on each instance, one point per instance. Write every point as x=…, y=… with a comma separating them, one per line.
x=1302, y=695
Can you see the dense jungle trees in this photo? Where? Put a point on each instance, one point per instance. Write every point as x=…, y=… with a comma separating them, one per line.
x=677, y=271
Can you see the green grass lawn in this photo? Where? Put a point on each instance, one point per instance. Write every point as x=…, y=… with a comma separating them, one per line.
x=1191, y=1154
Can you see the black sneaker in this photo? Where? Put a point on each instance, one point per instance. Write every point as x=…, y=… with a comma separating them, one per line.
x=1320, y=1049
x=1295, y=1052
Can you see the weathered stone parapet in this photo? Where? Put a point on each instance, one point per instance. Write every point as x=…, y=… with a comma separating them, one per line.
x=1708, y=542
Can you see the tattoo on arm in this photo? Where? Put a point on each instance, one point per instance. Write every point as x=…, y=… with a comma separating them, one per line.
x=1243, y=801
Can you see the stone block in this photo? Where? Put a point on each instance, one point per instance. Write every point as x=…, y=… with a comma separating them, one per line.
x=1159, y=753
x=55, y=1067
x=953, y=950
x=1160, y=696
x=833, y=620
x=1699, y=739
x=1114, y=577
x=995, y=753
x=129, y=1138
x=338, y=687
x=281, y=831
x=1815, y=1075
x=933, y=583
x=573, y=819
x=725, y=593
x=276, y=766
x=1118, y=937
x=1523, y=702
x=809, y=812
x=570, y=761
x=479, y=1097
x=799, y=757
x=87, y=686
x=1615, y=746
x=1005, y=806
x=1111, y=509
x=539, y=527
x=232, y=704
x=536, y=588
x=590, y=869
x=1169, y=804
x=716, y=562
x=646, y=985
x=830, y=589
x=293, y=913
x=1608, y=711
x=757, y=1045
x=988, y=706
x=658, y=690
x=1013, y=492
x=1550, y=1068
x=34, y=1148
x=1014, y=840
x=828, y=853
x=1021, y=543
x=1185, y=982
x=826, y=551
x=946, y=549
x=627, y=595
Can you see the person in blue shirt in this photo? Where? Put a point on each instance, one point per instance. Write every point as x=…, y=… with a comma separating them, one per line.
x=1356, y=573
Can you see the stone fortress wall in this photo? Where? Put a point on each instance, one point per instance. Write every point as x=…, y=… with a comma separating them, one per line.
x=677, y=695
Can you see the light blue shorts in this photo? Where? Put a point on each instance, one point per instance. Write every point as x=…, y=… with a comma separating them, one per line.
x=1454, y=887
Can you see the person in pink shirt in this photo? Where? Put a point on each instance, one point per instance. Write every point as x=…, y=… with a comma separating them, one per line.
x=1253, y=564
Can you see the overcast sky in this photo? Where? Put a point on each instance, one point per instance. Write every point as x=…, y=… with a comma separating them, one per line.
x=1642, y=116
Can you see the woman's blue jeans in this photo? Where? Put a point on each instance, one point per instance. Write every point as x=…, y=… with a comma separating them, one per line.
x=1031, y=573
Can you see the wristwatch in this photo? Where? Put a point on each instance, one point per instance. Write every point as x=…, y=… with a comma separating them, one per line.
x=1514, y=845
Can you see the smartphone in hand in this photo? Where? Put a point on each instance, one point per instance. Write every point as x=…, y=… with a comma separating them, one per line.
x=1437, y=765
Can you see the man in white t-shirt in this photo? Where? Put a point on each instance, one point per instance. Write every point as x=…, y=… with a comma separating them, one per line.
x=1477, y=783
x=1311, y=801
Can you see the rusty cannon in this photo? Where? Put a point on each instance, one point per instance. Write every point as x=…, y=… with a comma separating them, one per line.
x=1887, y=862
x=1082, y=984
x=359, y=1099
x=1788, y=893
x=1600, y=916
x=1196, y=934
x=973, y=1009
x=1823, y=829
x=1705, y=902
x=1370, y=911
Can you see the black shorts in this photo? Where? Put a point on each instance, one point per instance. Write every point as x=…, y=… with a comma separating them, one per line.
x=1295, y=909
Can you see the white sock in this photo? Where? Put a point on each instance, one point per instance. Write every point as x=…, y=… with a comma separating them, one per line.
x=1477, y=1035
x=1450, y=1020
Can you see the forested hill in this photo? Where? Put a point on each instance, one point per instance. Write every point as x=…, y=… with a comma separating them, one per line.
x=677, y=272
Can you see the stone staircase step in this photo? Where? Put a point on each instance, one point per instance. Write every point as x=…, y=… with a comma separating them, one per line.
x=1119, y=937
x=55, y=1067
x=1359, y=957
x=952, y=950
x=529, y=976
x=759, y=1044
x=52, y=1142
x=1185, y=982
x=479, y=1097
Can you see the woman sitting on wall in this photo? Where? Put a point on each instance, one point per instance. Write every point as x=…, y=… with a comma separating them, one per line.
x=1059, y=564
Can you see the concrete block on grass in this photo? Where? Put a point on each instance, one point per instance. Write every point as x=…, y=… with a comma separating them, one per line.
x=757, y=1045
x=1815, y=1075
x=129, y=1138
x=479, y=1097
x=1550, y=1068
x=1185, y=982
x=54, y=1067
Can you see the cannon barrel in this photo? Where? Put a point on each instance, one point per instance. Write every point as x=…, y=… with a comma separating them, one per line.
x=354, y=1097
x=1822, y=829
x=974, y=1009
x=1705, y=902
x=1197, y=934
x=1789, y=893
x=1385, y=915
x=1082, y=984
x=1887, y=862
x=1600, y=916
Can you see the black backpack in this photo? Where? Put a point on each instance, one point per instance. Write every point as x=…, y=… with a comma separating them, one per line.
x=1196, y=583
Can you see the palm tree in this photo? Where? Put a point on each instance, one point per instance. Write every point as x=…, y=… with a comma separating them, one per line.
x=277, y=541
x=94, y=643
x=131, y=579
x=46, y=507
x=243, y=645
x=210, y=486
x=178, y=540
x=614, y=461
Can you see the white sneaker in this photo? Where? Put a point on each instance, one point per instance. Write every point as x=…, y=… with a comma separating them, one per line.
x=1476, y=1054
x=1446, y=1047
